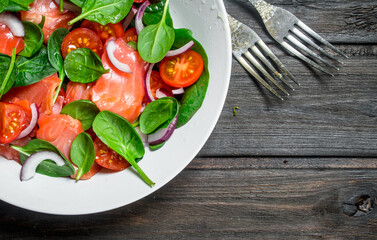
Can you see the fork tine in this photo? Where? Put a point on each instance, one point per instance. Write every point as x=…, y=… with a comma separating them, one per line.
x=313, y=44
x=269, y=65
x=296, y=42
x=256, y=64
x=319, y=38
x=243, y=62
x=302, y=57
x=277, y=61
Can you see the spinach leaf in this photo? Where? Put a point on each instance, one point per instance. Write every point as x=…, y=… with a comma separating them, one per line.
x=18, y=5
x=7, y=72
x=33, y=39
x=33, y=69
x=54, y=55
x=3, y=5
x=83, y=110
x=42, y=23
x=79, y=3
x=157, y=113
x=46, y=167
x=104, y=11
x=156, y=147
x=118, y=134
x=153, y=14
x=83, y=65
x=156, y=40
x=82, y=153
x=194, y=95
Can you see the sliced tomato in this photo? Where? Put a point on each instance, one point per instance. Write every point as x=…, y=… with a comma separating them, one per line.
x=78, y=91
x=82, y=38
x=9, y=41
x=158, y=83
x=54, y=18
x=104, y=32
x=108, y=158
x=120, y=92
x=25, y=105
x=41, y=93
x=182, y=70
x=130, y=35
x=60, y=130
x=12, y=122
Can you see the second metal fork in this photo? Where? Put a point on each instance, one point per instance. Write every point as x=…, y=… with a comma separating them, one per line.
x=283, y=25
x=243, y=39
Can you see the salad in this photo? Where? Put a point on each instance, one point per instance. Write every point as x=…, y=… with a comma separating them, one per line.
x=87, y=85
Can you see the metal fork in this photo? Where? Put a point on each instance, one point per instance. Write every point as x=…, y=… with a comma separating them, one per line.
x=243, y=39
x=283, y=25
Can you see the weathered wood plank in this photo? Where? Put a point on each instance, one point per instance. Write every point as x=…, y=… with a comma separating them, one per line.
x=325, y=116
x=223, y=204
x=339, y=21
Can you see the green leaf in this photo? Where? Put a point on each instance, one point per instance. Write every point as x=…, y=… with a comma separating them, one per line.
x=53, y=48
x=33, y=69
x=7, y=72
x=33, y=39
x=82, y=153
x=42, y=23
x=104, y=11
x=194, y=95
x=84, y=66
x=79, y=3
x=154, y=12
x=156, y=40
x=157, y=113
x=3, y=5
x=119, y=135
x=83, y=110
x=18, y=5
x=46, y=167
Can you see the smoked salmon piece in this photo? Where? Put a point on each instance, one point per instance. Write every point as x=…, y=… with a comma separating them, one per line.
x=60, y=130
x=41, y=93
x=54, y=19
x=78, y=91
x=120, y=92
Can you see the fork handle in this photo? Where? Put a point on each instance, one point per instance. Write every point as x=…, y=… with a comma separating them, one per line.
x=265, y=9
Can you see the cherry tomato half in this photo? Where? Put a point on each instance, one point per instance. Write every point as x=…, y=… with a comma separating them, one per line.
x=108, y=158
x=158, y=83
x=9, y=41
x=182, y=70
x=82, y=38
x=130, y=35
x=12, y=119
x=104, y=32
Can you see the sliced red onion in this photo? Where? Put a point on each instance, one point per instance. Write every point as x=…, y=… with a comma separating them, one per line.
x=69, y=6
x=139, y=16
x=164, y=134
x=129, y=17
x=14, y=24
x=178, y=91
x=147, y=84
x=110, y=48
x=31, y=163
x=33, y=122
x=180, y=50
x=143, y=105
x=143, y=137
x=161, y=92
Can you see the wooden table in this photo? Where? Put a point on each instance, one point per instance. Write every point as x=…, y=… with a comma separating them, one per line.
x=297, y=169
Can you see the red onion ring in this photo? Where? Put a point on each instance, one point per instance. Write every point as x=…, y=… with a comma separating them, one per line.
x=139, y=16
x=129, y=17
x=110, y=48
x=180, y=50
x=161, y=92
x=69, y=6
x=33, y=122
x=31, y=163
x=164, y=134
x=13, y=23
x=147, y=84
x=143, y=137
x=178, y=91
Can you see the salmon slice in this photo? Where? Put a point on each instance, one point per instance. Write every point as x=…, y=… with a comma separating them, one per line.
x=41, y=93
x=60, y=130
x=120, y=92
x=78, y=91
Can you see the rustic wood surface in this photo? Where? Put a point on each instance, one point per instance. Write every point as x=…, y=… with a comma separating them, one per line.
x=298, y=169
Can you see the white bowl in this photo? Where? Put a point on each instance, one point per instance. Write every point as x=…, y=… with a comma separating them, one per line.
x=208, y=21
